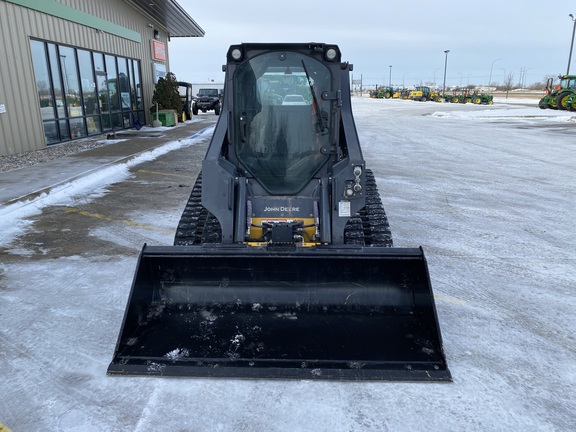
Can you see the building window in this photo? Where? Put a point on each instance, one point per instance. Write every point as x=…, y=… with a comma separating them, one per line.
x=89, y=96
x=83, y=92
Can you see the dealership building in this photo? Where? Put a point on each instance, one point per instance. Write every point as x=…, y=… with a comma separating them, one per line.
x=78, y=68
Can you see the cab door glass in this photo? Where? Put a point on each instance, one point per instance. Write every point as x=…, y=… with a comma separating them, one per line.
x=282, y=122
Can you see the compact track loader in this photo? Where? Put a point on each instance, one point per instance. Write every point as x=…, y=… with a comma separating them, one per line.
x=282, y=264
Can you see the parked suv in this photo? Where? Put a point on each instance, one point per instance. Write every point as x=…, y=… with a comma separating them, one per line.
x=207, y=100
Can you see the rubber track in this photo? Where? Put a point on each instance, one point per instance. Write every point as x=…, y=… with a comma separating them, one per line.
x=197, y=225
x=369, y=227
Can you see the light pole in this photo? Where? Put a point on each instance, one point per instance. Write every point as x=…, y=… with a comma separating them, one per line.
x=390, y=77
x=444, y=85
x=492, y=67
x=572, y=44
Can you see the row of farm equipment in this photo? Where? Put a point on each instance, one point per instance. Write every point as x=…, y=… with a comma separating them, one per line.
x=562, y=97
x=425, y=93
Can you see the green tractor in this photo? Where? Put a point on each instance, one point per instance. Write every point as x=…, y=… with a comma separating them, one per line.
x=482, y=98
x=571, y=102
x=448, y=97
x=382, y=93
x=385, y=93
x=455, y=97
x=464, y=96
x=562, y=96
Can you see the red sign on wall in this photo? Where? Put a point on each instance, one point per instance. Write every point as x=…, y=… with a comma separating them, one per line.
x=158, y=50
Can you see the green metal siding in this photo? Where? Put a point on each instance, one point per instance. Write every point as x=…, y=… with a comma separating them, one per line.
x=52, y=7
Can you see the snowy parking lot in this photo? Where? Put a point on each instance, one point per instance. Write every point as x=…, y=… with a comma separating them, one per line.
x=487, y=191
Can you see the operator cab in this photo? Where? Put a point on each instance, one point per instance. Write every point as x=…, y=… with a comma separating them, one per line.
x=282, y=123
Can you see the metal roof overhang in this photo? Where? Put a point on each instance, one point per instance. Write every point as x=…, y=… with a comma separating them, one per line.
x=169, y=14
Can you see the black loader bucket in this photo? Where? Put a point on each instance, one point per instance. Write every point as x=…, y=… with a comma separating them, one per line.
x=341, y=314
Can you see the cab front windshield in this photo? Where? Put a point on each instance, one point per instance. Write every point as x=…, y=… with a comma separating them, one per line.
x=568, y=83
x=281, y=120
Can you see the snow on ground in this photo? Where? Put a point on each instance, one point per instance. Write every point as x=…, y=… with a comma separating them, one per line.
x=518, y=114
x=490, y=199
x=14, y=217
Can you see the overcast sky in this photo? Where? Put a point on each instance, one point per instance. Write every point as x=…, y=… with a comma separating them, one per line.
x=528, y=38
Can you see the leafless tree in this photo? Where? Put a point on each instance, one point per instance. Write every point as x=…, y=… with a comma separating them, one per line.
x=508, y=83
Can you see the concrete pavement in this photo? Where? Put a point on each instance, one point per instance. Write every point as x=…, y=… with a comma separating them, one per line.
x=26, y=183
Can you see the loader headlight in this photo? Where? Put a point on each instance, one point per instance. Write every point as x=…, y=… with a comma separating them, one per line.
x=332, y=53
x=236, y=54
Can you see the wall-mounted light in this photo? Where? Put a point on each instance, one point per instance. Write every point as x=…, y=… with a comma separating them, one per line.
x=156, y=35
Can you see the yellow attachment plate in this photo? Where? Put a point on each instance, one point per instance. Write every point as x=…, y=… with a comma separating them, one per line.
x=309, y=234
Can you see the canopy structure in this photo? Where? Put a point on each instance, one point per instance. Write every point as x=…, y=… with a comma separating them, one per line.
x=171, y=15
